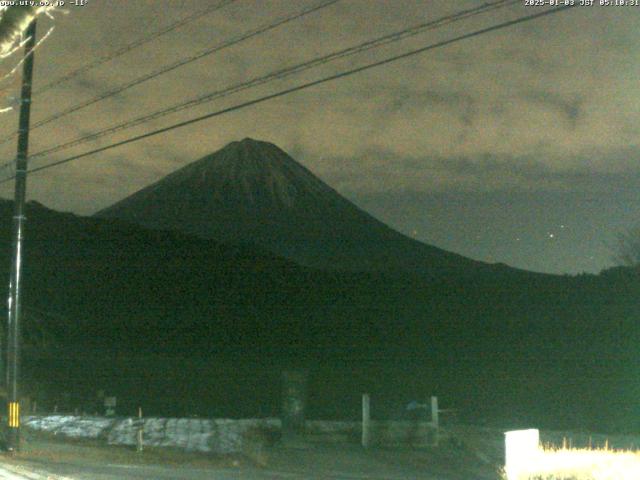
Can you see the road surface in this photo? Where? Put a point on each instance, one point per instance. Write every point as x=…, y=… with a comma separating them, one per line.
x=51, y=459
x=116, y=472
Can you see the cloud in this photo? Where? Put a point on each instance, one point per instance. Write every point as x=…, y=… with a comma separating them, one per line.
x=569, y=108
x=545, y=104
x=376, y=172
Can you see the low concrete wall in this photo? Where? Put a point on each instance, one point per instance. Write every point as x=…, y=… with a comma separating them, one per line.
x=383, y=432
x=192, y=434
x=222, y=436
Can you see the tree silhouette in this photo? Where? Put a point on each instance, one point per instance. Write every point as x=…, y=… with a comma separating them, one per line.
x=627, y=250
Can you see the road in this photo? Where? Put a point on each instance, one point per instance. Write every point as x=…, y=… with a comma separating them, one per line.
x=115, y=472
x=52, y=459
x=381, y=469
x=136, y=472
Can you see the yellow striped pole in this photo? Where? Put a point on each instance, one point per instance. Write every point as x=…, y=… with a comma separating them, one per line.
x=14, y=415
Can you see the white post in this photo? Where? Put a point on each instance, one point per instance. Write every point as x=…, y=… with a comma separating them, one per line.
x=435, y=420
x=139, y=443
x=521, y=451
x=434, y=412
x=366, y=420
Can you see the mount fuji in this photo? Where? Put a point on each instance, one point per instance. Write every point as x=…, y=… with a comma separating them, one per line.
x=253, y=192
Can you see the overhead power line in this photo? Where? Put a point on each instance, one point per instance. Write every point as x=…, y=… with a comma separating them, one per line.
x=283, y=73
x=168, y=68
x=304, y=86
x=133, y=45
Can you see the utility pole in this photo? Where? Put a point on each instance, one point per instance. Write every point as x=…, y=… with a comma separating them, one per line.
x=14, y=302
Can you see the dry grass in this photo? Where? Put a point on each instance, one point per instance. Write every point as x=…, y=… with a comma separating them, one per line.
x=551, y=463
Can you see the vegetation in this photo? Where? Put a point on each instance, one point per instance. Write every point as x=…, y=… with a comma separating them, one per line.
x=581, y=464
x=207, y=329
x=627, y=251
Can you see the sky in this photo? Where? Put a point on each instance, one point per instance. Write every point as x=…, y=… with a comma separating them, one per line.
x=518, y=146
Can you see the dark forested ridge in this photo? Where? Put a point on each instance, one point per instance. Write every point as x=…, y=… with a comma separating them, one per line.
x=154, y=314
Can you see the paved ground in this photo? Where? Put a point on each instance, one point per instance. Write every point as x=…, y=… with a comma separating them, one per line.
x=470, y=453
x=50, y=459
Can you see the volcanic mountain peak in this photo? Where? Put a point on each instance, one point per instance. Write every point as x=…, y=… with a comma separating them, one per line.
x=252, y=191
x=247, y=173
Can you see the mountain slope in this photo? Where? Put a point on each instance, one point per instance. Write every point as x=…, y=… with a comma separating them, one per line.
x=123, y=306
x=252, y=191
